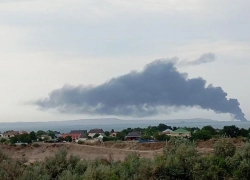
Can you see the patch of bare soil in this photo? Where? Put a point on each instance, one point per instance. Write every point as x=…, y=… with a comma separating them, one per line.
x=115, y=151
x=210, y=143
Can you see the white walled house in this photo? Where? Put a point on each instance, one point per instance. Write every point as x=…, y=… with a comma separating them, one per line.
x=92, y=132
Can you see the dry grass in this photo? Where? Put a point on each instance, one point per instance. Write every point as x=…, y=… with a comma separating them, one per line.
x=110, y=150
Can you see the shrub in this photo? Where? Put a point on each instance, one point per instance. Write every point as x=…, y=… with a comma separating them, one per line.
x=3, y=140
x=36, y=145
x=80, y=142
x=202, y=135
x=224, y=148
x=180, y=161
x=23, y=145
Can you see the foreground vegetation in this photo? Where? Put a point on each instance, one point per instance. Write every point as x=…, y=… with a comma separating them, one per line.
x=179, y=160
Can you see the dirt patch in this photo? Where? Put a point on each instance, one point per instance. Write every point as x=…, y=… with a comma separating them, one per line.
x=210, y=143
x=83, y=151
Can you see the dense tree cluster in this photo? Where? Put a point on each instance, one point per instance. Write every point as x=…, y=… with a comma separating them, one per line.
x=208, y=132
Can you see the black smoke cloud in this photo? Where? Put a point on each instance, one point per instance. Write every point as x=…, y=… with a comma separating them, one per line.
x=142, y=93
x=205, y=58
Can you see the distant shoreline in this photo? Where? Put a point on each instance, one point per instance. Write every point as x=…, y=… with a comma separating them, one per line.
x=116, y=124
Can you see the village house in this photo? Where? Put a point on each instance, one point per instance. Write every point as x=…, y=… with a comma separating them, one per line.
x=92, y=132
x=82, y=137
x=23, y=132
x=79, y=131
x=46, y=137
x=167, y=132
x=9, y=134
x=133, y=136
x=76, y=135
x=113, y=134
x=178, y=133
x=57, y=134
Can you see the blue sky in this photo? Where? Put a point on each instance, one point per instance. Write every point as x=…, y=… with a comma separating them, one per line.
x=46, y=44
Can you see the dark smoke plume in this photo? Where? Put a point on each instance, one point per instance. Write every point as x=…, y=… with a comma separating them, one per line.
x=142, y=93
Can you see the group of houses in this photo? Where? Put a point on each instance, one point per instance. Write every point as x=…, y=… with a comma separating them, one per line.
x=83, y=135
x=177, y=133
x=98, y=134
x=9, y=134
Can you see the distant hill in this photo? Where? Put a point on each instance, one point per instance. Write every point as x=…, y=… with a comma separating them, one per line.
x=111, y=123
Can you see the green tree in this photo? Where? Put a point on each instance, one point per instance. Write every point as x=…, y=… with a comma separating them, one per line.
x=120, y=135
x=209, y=129
x=96, y=135
x=231, y=131
x=202, y=135
x=25, y=138
x=3, y=140
x=40, y=133
x=68, y=138
x=146, y=137
x=224, y=148
x=161, y=137
x=61, y=139
x=33, y=136
x=13, y=139
x=243, y=132
x=240, y=163
x=51, y=134
x=106, y=133
x=162, y=127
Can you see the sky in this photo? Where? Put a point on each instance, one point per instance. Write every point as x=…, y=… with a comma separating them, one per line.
x=74, y=48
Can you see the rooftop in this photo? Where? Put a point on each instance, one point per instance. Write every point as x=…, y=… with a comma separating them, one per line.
x=134, y=134
x=180, y=130
x=168, y=130
x=97, y=131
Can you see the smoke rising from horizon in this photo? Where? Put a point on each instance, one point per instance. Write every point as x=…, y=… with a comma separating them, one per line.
x=204, y=58
x=141, y=94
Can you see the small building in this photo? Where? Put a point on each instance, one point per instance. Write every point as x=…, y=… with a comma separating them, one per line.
x=46, y=137
x=57, y=134
x=167, y=132
x=75, y=136
x=100, y=137
x=82, y=132
x=180, y=132
x=9, y=134
x=113, y=134
x=133, y=136
x=24, y=132
x=92, y=132
x=79, y=131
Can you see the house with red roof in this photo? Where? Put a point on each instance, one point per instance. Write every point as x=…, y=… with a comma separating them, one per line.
x=75, y=135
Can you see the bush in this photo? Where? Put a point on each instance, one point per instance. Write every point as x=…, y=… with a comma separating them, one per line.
x=3, y=140
x=80, y=142
x=180, y=160
x=108, y=138
x=224, y=148
x=36, y=145
x=23, y=145
x=202, y=135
